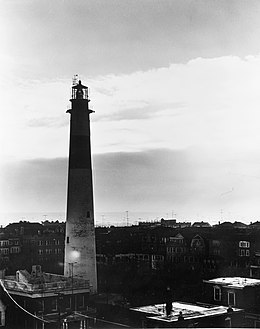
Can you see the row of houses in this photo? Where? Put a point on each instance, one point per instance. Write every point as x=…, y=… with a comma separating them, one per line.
x=24, y=244
x=212, y=250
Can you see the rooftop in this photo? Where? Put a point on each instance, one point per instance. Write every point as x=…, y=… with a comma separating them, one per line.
x=39, y=282
x=234, y=282
x=189, y=311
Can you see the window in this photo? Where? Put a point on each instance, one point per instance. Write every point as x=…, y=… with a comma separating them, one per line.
x=4, y=251
x=231, y=298
x=244, y=244
x=15, y=250
x=244, y=252
x=215, y=243
x=217, y=293
x=68, y=239
x=40, y=242
x=40, y=251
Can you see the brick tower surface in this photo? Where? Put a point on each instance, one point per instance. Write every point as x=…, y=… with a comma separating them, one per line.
x=80, y=248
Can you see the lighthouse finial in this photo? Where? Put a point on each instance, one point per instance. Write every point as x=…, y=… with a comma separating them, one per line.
x=75, y=79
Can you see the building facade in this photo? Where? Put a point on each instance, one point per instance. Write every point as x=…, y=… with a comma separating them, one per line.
x=236, y=292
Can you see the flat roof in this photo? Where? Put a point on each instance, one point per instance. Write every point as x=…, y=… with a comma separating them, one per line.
x=234, y=282
x=189, y=311
x=47, y=283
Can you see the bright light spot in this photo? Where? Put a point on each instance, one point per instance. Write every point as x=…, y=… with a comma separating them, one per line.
x=75, y=254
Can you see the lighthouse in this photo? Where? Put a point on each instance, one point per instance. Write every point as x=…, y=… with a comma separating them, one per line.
x=80, y=248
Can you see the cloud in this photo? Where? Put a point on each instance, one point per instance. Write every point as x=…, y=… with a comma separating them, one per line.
x=218, y=101
x=145, y=111
x=205, y=102
x=102, y=37
x=38, y=185
x=48, y=122
x=192, y=182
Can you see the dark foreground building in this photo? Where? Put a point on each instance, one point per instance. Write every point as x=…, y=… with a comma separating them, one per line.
x=238, y=292
x=39, y=299
x=186, y=315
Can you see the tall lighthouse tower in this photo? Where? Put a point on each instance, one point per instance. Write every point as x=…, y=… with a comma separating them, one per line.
x=80, y=249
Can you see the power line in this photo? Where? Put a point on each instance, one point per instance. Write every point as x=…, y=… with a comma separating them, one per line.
x=105, y=321
x=23, y=309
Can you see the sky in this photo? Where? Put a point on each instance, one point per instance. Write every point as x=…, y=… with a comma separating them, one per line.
x=175, y=89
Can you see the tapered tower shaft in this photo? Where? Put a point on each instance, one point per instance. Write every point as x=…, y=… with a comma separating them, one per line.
x=80, y=249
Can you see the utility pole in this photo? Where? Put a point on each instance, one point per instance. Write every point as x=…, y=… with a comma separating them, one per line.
x=127, y=218
x=73, y=303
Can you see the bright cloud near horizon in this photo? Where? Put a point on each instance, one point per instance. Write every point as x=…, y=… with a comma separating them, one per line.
x=175, y=90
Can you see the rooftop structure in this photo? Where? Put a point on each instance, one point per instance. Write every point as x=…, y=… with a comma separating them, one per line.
x=42, y=297
x=234, y=282
x=239, y=292
x=189, y=312
x=174, y=224
x=37, y=283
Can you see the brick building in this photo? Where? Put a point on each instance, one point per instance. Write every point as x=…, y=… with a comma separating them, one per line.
x=239, y=292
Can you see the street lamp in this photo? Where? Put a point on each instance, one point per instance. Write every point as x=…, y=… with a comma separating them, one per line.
x=60, y=296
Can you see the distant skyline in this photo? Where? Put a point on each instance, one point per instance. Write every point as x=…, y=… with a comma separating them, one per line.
x=175, y=86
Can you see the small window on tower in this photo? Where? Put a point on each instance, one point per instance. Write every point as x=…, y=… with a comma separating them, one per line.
x=68, y=239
